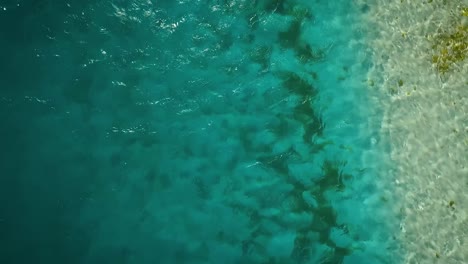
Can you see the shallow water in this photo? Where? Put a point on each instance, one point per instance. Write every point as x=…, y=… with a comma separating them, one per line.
x=191, y=132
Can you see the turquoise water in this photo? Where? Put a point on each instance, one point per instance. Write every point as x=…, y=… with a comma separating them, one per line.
x=190, y=132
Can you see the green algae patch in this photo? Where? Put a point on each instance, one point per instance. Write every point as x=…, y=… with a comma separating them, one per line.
x=451, y=204
x=291, y=38
x=304, y=112
x=300, y=12
x=464, y=11
x=298, y=84
x=332, y=180
x=451, y=48
x=400, y=82
x=261, y=55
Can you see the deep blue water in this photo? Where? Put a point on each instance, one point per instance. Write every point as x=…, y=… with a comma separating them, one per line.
x=189, y=132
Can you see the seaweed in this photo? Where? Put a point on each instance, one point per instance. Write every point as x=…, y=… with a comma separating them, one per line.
x=312, y=122
x=307, y=54
x=281, y=127
x=304, y=113
x=300, y=12
x=303, y=51
x=464, y=11
x=325, y=215
x=274, y=6
x=298, y=85
x=451, y=204
x=291, y=38
x=278, y=162
x=451, y=47
x=333, y=176
x=400, y=82
x=261, y=55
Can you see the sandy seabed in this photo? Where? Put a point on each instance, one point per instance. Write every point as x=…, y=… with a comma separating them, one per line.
x=426, y=120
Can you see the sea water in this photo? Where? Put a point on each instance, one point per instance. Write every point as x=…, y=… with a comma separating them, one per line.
x=191, y=132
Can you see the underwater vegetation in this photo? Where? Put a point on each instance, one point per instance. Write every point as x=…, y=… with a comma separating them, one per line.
x=325, y=216
x=304, y=115
x=279, y=6
x=261, y=55
x=291, y=38
x=283, y=7
x=451, y=47
x=304, y=112
x=332, y=179
x=464, y=11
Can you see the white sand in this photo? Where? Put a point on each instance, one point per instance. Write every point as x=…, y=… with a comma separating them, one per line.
x=426, y=120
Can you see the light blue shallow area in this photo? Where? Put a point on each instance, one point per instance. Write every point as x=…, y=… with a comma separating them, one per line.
x=191, y=132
